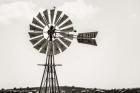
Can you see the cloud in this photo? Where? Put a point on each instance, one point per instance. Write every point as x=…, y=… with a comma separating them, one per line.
x=81, y=14
x=132, y=16
x=79, y=9
x=19, y=10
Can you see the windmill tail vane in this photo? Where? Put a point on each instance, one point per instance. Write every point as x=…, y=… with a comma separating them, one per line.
x=51, y=33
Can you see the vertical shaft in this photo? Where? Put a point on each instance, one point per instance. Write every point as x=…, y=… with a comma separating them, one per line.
x=52, y=73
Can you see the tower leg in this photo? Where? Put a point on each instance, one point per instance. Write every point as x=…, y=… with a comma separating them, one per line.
x=49, y=82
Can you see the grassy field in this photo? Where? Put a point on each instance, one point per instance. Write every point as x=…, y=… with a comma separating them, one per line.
x=72, y=89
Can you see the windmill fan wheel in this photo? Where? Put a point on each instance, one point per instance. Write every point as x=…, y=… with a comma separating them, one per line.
x=51, y=32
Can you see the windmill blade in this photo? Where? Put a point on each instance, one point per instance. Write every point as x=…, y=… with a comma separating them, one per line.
x=65, y=41
x=66, y=24
x=39, y=44
x=69, y=36
x=69, y=29
x=34, y=40
x=57, y=16
x=35, y=28
x=46, y=16
x=36, y=22
x=87, y=41
x=56, y=49
x=35, y=33
x=40, y=17
x=60, y=45
x=87, y=35
x=43, y=48
x=50, y=48
x=52, y=15
x=64, y=17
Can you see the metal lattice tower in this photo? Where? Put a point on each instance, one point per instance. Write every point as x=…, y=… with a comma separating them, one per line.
x=49, y=83
x=52, y=33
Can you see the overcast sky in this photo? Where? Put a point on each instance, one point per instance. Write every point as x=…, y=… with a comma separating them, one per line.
x=114, y=63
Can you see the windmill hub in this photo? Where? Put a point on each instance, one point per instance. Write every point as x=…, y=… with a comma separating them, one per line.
x=51, y=30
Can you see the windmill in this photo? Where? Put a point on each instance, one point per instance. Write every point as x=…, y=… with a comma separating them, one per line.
x=51, y=33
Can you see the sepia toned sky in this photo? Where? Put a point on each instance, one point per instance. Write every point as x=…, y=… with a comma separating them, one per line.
x=114, y=63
